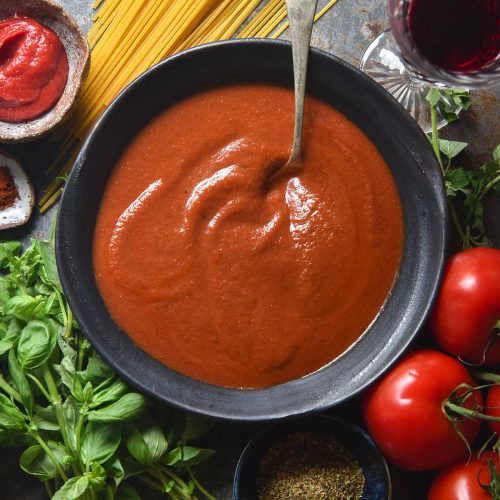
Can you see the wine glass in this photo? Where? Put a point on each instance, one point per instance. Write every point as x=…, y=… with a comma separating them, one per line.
x=443, y=43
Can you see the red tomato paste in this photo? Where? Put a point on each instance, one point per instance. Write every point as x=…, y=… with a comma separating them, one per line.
x=33, y=69
x=234, y=281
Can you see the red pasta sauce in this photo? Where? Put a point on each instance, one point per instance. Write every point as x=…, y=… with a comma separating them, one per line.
x=230, y=279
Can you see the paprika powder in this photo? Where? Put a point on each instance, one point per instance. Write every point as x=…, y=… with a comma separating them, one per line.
x=8, y=189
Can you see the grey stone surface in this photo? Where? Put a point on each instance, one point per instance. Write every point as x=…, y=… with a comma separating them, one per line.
x=344, y=31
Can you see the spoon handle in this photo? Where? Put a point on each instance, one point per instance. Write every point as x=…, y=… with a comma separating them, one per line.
x=301, y=19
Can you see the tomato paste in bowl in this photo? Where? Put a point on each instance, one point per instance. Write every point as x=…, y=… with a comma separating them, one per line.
x=168, y=253
x=33, y=68
x=44, y=61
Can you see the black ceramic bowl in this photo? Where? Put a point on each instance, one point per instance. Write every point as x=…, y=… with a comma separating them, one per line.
x=399, y=139
x=351, y=437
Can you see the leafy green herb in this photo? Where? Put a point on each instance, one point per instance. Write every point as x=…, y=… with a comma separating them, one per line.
x=83, y=431
x=449, y=103
x=468, y=187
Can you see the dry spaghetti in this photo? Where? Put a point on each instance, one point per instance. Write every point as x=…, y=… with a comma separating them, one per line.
x=126, y=38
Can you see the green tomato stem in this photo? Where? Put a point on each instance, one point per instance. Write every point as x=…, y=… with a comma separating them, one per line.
x=486, y=376
x=466, y=412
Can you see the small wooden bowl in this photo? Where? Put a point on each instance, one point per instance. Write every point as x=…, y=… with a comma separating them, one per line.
x=58, y=20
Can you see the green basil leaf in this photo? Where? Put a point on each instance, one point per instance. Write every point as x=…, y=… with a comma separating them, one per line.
x=97, y=477
x=88, y=392
x=11, y=336
x=127, y=492
x=36, y=462
x=51, y=305
x=170, y=486
x=41, y=288
x=45, y=419
x=127, y=407
x=114, y=469
x=66, y=344
x=99, y=442
x=490, y=169
x=11, y=417
x=72, y=489
x=451, y=148
x=25, y=307
x=193, y=456
x=496, y=154
x=434, y=96
x=36, y=343
x=196, y=427
x=10, y=438
x=156, y=442
x=21, y=382
x=71, y=411
x=98, y=372
x=137, y=447
x=4, y=291
x=47, y=254
x=173, y=457
x=67, y=372
x=8, y=250
x=5, y=345
x=78, y=387
x=108, y=394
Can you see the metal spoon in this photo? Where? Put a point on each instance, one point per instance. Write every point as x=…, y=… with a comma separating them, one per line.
x=301, y=19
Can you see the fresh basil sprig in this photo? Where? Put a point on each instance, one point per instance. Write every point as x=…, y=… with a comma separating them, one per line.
x=85, y=434
x=469, y=187
x=449, y=103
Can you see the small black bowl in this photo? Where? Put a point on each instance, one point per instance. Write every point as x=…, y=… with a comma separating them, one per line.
x=399, y=139
x=351, y=437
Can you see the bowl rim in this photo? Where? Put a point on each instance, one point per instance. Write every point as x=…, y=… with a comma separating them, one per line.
x=289, y=426
x=69, y=280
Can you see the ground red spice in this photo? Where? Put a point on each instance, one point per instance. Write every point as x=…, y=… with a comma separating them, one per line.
x=8, y=189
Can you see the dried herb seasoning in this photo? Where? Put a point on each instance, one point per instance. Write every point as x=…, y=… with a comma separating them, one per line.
x=308, y=466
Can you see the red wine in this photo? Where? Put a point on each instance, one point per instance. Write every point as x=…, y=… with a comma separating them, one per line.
x=457, y=35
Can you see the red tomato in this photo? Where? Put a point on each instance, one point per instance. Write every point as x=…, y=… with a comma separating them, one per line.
x=461, y=481
x=404, y=411
x=468, y=305
x=493, y=407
